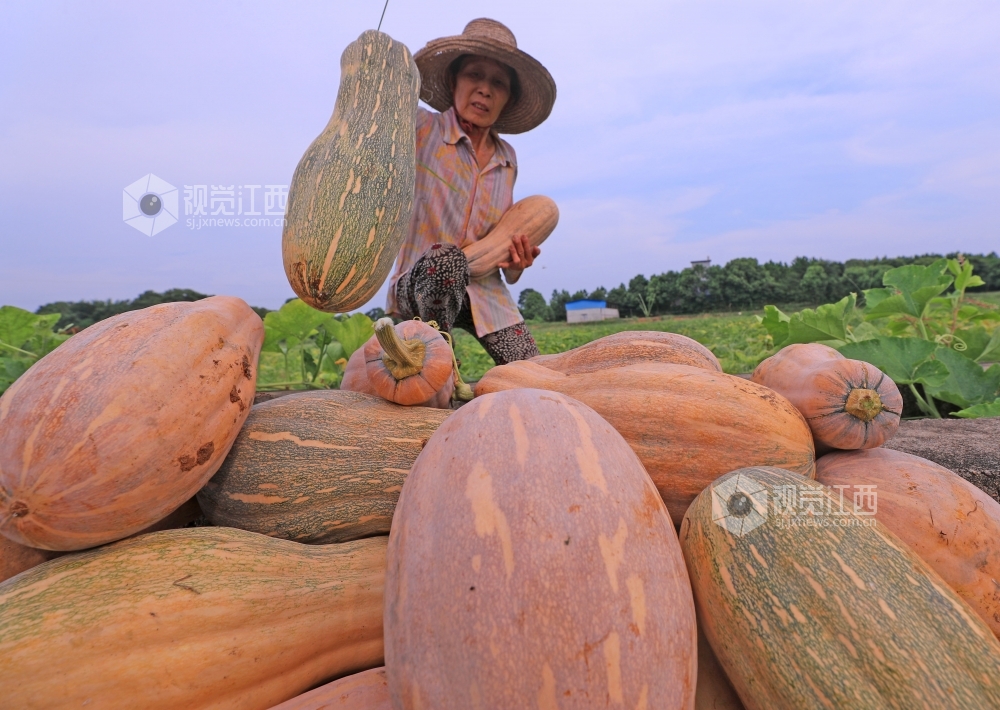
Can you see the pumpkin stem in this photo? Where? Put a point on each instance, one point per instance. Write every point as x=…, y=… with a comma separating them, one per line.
x=402, y=358
x=865, y=404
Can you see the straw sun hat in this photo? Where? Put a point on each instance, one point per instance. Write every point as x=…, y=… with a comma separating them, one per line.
x=488, y=38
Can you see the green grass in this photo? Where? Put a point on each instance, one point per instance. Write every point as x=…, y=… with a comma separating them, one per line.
x=737, y=340
x=271, y=368
x=992, y=297
x=273, y=375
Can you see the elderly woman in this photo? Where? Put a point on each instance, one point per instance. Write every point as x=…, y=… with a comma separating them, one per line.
x=483, y=85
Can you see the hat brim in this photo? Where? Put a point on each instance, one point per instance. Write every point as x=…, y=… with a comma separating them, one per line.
x=538, y=89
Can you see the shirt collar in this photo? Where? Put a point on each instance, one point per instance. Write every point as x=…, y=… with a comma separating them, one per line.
x=453, y=133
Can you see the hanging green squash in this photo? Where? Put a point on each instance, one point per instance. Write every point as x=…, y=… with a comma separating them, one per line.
x=351, y=197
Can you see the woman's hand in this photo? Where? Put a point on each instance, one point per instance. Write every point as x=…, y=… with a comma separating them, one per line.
x=522, y=255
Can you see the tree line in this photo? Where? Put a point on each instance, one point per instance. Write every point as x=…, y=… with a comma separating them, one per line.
x=744, y=284
x=77, y=315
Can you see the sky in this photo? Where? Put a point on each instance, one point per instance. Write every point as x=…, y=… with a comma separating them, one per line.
x=682, y=130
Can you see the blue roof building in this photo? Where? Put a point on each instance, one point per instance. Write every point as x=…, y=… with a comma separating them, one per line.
x=583, y=311
x=577, y=305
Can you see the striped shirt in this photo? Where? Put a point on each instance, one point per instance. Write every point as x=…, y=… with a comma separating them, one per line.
x=457, y=203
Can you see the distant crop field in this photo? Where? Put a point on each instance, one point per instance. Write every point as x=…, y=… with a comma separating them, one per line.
x=993, y=298
x=737, y=340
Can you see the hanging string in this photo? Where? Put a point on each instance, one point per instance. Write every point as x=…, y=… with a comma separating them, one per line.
x=383, y=16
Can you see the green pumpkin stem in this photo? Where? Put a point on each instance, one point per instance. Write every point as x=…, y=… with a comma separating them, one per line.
x=865, y=404
x=402, y=358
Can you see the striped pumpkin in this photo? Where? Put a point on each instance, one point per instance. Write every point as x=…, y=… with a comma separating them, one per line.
x=319, y=467
x=951, y=524
x=16, y=558
x=351, y=196
x=827, y=616
x=200, y=618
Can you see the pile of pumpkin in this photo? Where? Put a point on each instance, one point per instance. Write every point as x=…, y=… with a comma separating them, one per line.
x=376, y=548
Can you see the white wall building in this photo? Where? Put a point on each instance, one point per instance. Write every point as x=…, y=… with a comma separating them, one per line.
x=586, y=311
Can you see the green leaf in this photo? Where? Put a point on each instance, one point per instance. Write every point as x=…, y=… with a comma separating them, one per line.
x=323, y=336
x=17, y=325
x=44, y=341
x=863, y=331
x=826, y=323
x=991, y=353
x=898, y=328
x=310, y=365
x=979, y=411
x=875, y=296
x=963, y=275
x=776, y=324
x=10, y=369
x=333, y=353
x=293, y=323
x=970, y=342
x=981, y=317
x=967, y=383
x=352, y=332
x=891, y=306
x=904, y=360
x=915, y=285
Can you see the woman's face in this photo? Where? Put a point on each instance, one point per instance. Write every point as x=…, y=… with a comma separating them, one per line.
x=482, y=88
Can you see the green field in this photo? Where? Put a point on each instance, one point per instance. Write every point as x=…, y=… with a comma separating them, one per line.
x=991, y=298
x=737, y=340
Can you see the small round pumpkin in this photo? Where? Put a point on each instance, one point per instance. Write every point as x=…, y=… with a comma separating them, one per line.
x=407, y=363
x=356, y=380
x=356, y=374
x=849, y=404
